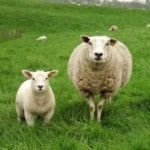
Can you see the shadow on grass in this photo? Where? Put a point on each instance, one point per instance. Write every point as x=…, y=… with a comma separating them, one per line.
x=114, y=117
x=78, y=111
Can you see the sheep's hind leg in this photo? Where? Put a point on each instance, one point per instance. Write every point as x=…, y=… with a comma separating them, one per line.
x=100, y=108
x=109, y=100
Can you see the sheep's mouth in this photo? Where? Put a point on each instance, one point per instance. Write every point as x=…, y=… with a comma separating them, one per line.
x=40, y=90
x=99, y=60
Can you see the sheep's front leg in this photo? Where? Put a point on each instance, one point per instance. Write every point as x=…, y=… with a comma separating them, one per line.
x=47, y=116
x=29, y=118
x=91, y=107
x=90, y=98
x=100, y=108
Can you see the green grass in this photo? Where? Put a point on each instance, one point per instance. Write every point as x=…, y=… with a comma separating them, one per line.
x=125, y=122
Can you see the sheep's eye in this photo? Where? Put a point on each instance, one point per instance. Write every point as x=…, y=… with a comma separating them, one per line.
x=107, y=44
x=33, y=79
x=46, y=78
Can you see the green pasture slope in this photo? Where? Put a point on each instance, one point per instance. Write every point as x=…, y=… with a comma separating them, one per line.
x=125, y=122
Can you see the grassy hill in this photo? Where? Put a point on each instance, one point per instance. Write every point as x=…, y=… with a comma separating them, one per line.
x=125, y=122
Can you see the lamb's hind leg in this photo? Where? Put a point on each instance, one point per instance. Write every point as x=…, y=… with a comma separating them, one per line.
x=20, y=112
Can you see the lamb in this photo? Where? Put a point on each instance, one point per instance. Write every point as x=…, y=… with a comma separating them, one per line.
x=113, y=28
x=42, y=38
x=100, y=65
x=35, y=97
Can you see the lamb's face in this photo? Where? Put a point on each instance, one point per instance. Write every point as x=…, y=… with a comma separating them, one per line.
x=98, y=47
x=39, y=79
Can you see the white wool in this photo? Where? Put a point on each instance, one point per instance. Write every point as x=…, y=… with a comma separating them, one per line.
x=100, y=65
x=148, y=25
x=35, y=96
x=42, y=38
x=113, y=28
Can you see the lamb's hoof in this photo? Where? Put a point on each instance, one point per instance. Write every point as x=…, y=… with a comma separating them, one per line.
x=18, y=119
x=46, y=122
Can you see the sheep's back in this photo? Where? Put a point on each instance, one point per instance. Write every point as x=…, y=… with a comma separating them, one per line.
x=126, y=63
x=73, y=60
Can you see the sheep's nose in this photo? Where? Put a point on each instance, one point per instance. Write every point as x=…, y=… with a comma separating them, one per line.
x=40, y=86
x=98, y=54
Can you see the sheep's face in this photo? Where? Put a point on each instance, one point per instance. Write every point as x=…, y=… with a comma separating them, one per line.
x=39, y=79
x=98, y=47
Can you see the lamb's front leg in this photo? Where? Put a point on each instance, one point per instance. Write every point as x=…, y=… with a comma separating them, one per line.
x=91, y=107
x=29, y=117
x=100, y=108
x=47, y=116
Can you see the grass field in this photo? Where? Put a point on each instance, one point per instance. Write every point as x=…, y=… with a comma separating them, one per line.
x=125, y=122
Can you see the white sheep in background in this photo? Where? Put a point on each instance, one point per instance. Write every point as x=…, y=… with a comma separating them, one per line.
x=113, y=28
x=35, y=96
x=148, y=25
x=42, y=38
x=100, y=65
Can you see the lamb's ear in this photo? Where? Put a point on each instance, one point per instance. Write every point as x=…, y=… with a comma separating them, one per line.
x=112, y=41
x=52, y=73
x=27, y=73
x=85, y=38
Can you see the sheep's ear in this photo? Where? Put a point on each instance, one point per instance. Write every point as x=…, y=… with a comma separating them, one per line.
x=112, y=41
x=85, y=38
x=27, y=73
x=52, y=73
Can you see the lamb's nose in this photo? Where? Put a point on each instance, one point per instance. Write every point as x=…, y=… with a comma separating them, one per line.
x=98, y=54
x=40, y=86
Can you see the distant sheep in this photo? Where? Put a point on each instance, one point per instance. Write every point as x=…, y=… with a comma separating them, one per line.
x=113, y=28
x=42, y=38
x=35, y=97
x=100, y=65
x=148, y=26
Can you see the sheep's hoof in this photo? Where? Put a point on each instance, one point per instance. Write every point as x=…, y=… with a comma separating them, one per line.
x=98, y=120
x=18, y=119
x=30, y=124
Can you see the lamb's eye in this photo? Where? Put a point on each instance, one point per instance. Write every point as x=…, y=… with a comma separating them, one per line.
x=46, y=78
x=33, y=79
x=107, y=44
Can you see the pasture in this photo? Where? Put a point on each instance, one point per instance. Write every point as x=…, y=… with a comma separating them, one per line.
x=125, y=122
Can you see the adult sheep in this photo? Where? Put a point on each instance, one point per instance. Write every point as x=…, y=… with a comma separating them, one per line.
x=100, y=65
x=35, y=96
x=113, y=28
